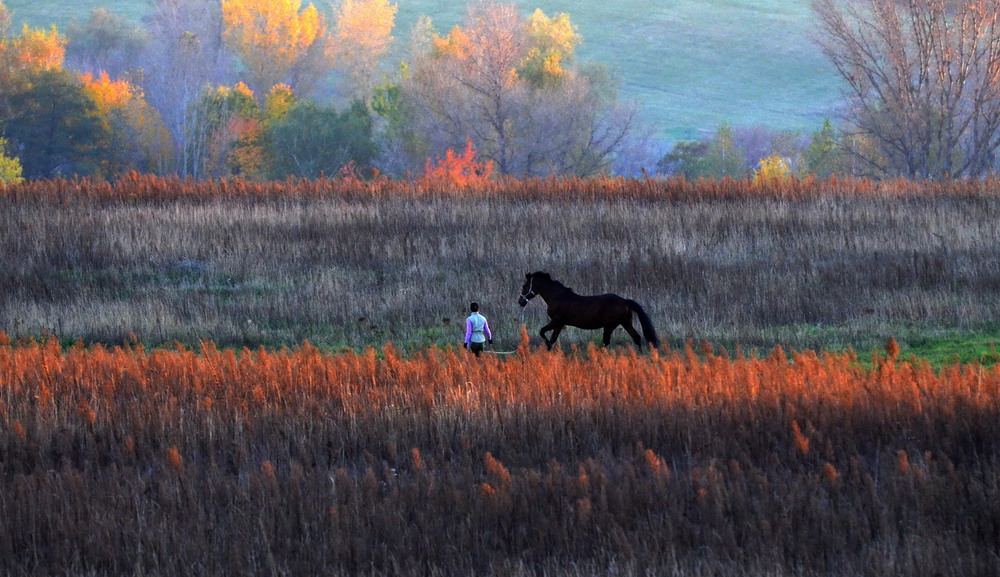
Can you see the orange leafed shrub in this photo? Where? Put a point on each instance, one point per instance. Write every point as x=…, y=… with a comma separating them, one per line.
x=457, y=170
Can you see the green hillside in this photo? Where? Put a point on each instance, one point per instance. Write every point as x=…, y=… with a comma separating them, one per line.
x=689, y=64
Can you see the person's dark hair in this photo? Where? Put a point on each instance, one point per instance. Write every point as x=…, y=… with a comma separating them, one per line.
x=474, y=307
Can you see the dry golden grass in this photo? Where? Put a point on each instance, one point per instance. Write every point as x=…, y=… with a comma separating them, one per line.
x=162, y=462
x=809, y=264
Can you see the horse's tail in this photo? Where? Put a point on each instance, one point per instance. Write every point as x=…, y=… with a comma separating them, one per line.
x=644, y=321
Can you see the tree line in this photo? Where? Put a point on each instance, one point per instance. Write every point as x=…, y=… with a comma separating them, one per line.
x=265, y=89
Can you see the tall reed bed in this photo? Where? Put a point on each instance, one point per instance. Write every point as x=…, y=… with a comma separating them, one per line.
x=691, y=462
x=345, y=263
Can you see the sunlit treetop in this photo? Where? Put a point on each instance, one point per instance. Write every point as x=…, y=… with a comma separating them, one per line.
x=107, y=93
x=271, y=36
x=34, y=51
x=455, y=45
x=278, y=101
x=239, y=99
x=551, y=44
x=367, y=24
x=362, y=35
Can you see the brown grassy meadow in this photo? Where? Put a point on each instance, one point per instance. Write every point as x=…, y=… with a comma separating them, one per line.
x=240, y=449
x=830, y=264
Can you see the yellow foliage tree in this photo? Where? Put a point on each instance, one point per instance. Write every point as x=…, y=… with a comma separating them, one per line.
x=773, y=169
x=551, y=42
x=278, y=101
x=144, y=143
x=363, y=35
x=21, y=57
x=34, y=51
x=276, y=41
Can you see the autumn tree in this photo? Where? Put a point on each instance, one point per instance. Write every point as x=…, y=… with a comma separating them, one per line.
x=55, y=127
x=48, y=122
x=760, y=142
x=772, y=169
x=362, y=36
x=22, y=58
x=502, y=81
x=218, y=121
x=477, y=65
x=277, y=41
x=139, y=139
x=923, y=82
x=250, y=155
x=551, y=43
x=32, y=52
x=457, y=169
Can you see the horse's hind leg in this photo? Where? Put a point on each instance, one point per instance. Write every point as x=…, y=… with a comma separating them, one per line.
x=632, y=333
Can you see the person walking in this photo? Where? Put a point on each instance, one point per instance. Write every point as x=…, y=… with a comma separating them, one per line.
x=477, y=331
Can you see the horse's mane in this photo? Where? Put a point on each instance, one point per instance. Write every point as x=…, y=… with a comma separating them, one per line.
x=547, y=277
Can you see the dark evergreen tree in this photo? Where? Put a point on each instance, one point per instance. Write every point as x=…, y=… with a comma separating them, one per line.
x=55, y=126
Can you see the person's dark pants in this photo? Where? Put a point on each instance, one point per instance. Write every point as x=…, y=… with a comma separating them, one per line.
x=476, y=348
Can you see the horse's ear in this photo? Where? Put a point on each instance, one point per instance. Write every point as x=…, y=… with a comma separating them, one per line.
x=527, y=276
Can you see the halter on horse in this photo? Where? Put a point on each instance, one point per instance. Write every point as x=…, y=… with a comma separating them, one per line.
x=566, y=308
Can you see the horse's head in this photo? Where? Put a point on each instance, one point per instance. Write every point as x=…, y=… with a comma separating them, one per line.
x=528, y=289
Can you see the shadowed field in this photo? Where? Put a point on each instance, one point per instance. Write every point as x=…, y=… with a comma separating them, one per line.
x=207, y=462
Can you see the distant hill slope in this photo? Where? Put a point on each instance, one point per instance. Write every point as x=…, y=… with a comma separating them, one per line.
x=690, y=64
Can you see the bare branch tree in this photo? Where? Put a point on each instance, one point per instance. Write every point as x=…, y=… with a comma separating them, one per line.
x=922, y=81
x=469, y=85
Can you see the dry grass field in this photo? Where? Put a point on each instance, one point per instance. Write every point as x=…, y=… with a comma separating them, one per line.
x=174, y=420
x=807, y=265
x=297, y=462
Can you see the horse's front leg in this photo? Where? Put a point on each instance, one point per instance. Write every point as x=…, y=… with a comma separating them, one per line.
x=556, y=328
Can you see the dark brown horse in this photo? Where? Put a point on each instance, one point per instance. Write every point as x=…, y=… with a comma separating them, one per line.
x=566, y=308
